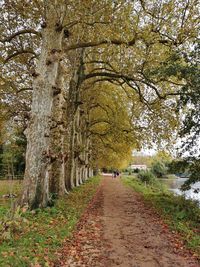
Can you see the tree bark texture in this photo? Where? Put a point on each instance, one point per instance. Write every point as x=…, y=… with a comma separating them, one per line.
x=39, y=155
x=56, y=157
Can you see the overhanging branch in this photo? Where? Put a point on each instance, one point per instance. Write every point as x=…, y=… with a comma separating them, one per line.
x=12, y=36
x=20, y=52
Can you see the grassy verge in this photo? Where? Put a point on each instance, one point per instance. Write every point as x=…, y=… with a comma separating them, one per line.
x=180, y=214
x=7, y=187
x=10, y=186
x=46, y=229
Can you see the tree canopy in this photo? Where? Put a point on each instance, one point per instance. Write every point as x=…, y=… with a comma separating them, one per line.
x=90, y=81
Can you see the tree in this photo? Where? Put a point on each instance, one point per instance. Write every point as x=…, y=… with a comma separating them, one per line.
x=194, y=168
x=187, y=65
x=110, y=126
x=12, y=154
x=179, y=166
x=159, y=169
x=190, y=99
x=83, y=45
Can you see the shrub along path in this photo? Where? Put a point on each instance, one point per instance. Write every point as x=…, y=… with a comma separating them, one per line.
x=119, y=229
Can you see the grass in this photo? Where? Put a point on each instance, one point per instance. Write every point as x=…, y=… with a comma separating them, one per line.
x=46, y=229
x=10, y=186
x=182, y=215
x=6, y=187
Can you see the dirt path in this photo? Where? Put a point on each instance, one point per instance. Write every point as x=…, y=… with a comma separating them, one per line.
x=118, y=229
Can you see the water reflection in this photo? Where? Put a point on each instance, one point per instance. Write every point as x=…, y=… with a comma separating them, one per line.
x=174, y=185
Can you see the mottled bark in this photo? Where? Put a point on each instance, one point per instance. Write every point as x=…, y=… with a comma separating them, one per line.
x=39, y=155
x=74, y=123
x=71, y=111
x=83, y=143
x=58, y=134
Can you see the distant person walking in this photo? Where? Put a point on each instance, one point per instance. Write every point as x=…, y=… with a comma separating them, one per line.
x=114, y=174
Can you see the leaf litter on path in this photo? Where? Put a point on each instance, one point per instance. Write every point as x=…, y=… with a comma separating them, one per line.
x=119, y=229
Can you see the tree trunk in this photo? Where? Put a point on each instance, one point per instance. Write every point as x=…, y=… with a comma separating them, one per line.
x=73, y=122
x=71, y=172
x=39, y=154
x=57, y=138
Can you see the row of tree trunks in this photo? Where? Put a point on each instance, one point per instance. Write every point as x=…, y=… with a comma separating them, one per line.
x=54, y=163
x=78, y=163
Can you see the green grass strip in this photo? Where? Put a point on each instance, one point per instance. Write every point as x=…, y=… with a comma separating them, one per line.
x=46, y=229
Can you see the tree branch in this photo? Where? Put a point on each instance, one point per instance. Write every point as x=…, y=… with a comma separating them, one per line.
x=24, y=89
x=115, y=42
x=98, y=121
x=17, y=53
x=101, y=42
x=9, y=38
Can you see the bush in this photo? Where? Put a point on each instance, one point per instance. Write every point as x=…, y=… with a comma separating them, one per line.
x=159, y=169
x=146, y=176
x=12, y=223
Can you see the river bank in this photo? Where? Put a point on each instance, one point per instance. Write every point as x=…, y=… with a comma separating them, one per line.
x=174, y=185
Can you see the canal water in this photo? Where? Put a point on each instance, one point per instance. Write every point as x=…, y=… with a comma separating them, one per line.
x=174, y=185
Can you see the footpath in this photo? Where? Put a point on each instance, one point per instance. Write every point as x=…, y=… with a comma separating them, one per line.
x=119, y=229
